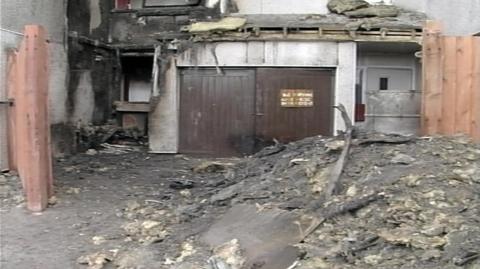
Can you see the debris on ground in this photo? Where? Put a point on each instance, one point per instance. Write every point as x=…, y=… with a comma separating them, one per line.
x=91, y=138
x=146, y=232
x=400, y=202
x=380, y=11
x=362, y=9
x=139, y=258
x=228, y=255
x=97, y=260
x=265, y=235
x=341, y=6
x=118, y=149
x=11, y=193
x=212, y=167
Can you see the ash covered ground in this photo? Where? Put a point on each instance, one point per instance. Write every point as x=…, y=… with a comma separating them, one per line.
x=124, y=208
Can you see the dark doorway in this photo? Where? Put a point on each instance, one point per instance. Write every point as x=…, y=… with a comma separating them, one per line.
x=137, y=78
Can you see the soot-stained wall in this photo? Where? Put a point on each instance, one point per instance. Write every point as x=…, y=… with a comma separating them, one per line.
x=93, y=68
x=100, y=34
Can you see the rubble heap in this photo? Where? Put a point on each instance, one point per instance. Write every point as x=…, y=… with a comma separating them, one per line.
x=401, y=202
x=426, y=213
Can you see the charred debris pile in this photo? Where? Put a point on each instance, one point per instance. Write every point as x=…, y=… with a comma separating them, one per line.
x=401, y=202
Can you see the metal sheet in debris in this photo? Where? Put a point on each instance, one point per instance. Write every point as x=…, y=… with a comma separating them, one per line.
x=266, y=235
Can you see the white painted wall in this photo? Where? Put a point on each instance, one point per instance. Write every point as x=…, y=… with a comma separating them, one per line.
x=345, y=81
x=139, y=91
x=459, y=17
x=310, y=54
x=342, y=56
x=163, y=125
x=282, y=6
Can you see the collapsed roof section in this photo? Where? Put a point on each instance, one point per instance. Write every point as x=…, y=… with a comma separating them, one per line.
x=350, y=20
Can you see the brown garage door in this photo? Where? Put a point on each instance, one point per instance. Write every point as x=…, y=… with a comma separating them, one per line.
x=217, y=112
x=294, y=103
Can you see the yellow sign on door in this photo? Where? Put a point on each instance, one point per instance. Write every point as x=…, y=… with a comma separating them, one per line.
x=296, y=98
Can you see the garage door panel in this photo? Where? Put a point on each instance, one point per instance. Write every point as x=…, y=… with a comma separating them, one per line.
x=292, y=123
x=216, y=112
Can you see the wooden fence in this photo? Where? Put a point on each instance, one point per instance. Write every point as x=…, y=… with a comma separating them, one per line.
x=451, y=84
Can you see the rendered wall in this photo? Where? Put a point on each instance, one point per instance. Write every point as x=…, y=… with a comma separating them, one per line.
x=341, y=56
x=14, y=15
x=459, y=17
x=282, y=6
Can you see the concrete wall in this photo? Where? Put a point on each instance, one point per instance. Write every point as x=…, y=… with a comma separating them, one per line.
x=459, y=17
x=342, y=56
x=14, y=15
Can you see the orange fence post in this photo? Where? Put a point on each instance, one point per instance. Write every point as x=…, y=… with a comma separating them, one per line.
x=432, y=78
x=476, y=90
x=449, y=86
x=464, y=85
x=31, y=125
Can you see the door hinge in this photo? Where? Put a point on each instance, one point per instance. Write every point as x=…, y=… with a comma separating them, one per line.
x=7, y=102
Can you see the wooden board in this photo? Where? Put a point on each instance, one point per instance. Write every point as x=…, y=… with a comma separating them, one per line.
x=432, y=79
x=476, y=90
x=28, y=85
x=450, y=85
x=464, y=85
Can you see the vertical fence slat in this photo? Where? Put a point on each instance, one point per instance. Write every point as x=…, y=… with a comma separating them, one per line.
x=449, y=85
x=432, y=79
x=464, y=85
x=476, y=90
x=32, y=126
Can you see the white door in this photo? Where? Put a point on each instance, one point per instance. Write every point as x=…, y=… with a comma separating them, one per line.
x=392, y=103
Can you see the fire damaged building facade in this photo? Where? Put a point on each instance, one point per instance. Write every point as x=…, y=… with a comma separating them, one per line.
x=227, y=77
x=267, y=134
